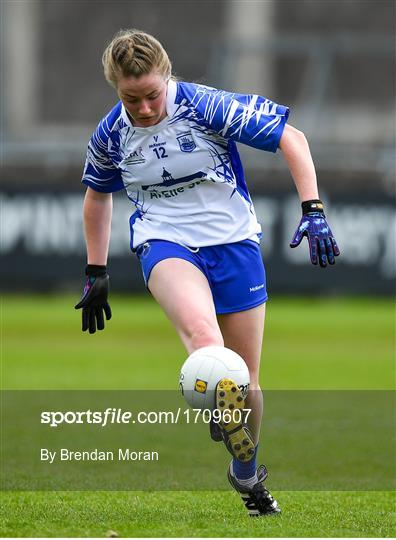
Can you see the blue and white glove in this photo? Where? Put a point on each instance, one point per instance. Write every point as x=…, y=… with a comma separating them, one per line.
x=322, y=244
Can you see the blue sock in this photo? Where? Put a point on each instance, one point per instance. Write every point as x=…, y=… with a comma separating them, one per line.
x=245, y=470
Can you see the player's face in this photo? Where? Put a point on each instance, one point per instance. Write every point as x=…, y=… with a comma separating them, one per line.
x=144, y=98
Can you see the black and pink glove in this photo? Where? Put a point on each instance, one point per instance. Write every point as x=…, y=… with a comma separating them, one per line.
x=94, y=299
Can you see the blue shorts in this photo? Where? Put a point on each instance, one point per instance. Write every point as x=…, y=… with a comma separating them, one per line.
x=235, y=272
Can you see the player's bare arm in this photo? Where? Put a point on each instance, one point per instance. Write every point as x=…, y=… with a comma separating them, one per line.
x=295, y=149
x=97, y=224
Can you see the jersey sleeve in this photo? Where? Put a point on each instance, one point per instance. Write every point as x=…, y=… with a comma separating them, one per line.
x=100, y=173
x=247, y=118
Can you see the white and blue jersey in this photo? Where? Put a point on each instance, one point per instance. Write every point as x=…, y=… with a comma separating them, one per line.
x=184, y=175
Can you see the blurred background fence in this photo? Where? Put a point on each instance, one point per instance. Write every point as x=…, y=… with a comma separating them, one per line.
x=332, y=62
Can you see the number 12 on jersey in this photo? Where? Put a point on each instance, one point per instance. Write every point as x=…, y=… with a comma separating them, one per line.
x=160, y=152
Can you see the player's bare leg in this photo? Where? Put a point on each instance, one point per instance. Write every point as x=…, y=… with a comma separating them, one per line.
x=243, y=333
x=184, y=294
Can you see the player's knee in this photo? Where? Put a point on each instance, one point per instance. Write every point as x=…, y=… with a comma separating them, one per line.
x=204, y=334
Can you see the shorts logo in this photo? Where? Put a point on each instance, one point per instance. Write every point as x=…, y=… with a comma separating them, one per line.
x=200, y=386
x=186, y=142
x=256, y=288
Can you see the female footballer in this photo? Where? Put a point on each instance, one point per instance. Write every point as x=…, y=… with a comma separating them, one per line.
x=171, y=145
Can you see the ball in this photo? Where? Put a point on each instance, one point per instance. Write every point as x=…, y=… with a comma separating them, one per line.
x=204, y=368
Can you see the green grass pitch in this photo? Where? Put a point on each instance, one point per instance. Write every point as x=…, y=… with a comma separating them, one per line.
x=309, y=344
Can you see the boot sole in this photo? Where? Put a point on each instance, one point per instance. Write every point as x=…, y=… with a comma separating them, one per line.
x=236, y=434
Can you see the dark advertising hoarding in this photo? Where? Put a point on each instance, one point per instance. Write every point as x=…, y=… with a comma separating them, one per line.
x=42, y=244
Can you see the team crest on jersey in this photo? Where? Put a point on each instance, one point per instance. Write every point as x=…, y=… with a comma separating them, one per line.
x=135, y=157
x=186, y=142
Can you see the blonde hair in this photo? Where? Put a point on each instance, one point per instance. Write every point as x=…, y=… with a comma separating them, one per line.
x=133, y=52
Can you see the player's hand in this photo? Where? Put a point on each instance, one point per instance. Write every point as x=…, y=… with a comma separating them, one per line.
x=322, y=244
x=94, y=299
